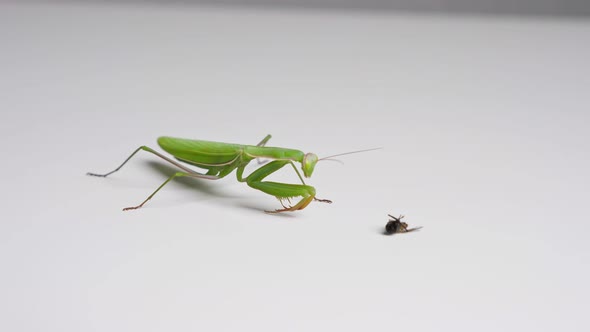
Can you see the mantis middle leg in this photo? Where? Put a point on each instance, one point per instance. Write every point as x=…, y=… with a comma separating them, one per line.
x=263, y=143
x=264, y=140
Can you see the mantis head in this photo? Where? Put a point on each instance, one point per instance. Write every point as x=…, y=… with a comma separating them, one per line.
x=308, y=164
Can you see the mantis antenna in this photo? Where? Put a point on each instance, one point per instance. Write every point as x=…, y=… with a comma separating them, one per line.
x=345, y=153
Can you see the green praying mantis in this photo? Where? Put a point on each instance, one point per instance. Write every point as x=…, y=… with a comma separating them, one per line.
x=220, y=159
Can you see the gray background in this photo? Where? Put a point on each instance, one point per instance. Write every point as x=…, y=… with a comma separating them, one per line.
x=510, y=7
x=483, y=123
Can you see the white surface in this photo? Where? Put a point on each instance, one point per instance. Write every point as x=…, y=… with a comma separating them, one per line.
x=484, y=125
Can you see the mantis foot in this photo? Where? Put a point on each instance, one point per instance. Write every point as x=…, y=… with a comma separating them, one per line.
x=99, y=175
x=323, y=200
x=299, y=206
x=132, y=207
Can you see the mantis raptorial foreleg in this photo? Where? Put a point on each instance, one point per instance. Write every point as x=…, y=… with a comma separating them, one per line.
x=282, y=191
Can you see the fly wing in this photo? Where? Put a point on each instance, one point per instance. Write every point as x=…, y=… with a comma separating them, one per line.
x=413, y=229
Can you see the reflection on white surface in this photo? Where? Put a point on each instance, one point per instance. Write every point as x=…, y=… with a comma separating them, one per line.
x=484, y=129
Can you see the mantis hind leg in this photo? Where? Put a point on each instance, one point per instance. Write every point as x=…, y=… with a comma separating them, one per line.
x=187, y=172
x=145, y=148
x=175, y=175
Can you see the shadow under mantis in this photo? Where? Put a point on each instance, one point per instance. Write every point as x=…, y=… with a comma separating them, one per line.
x=207, y=191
